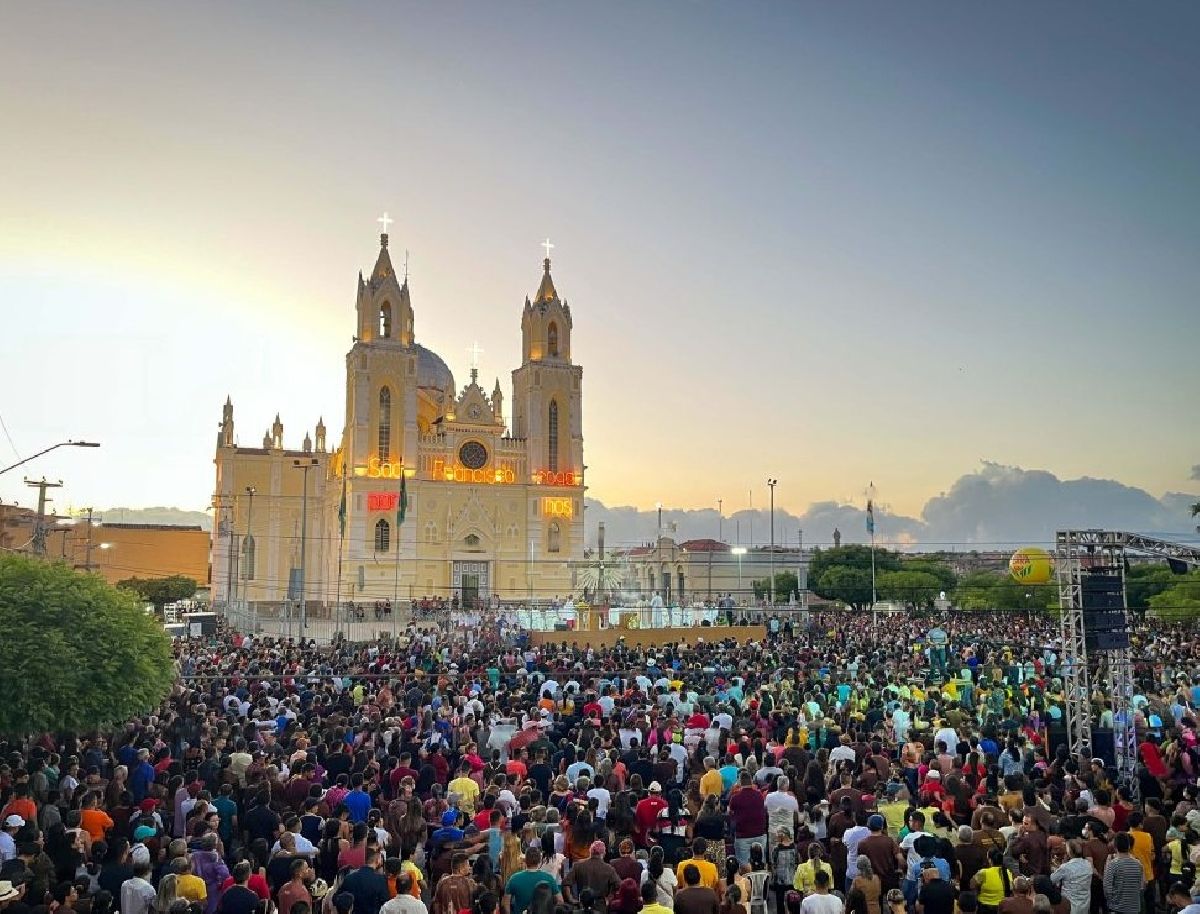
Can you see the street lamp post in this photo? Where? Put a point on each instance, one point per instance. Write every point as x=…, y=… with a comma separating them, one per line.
x=771, y=483
x=48, y=450
x=304, y=465
x=249, y=544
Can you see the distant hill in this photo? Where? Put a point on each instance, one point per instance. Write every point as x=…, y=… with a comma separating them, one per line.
x=156, y=515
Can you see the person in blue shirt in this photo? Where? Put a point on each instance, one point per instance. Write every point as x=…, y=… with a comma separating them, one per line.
x=141, y=776
x=729, y=774
x=357, y=801
x=449, y=833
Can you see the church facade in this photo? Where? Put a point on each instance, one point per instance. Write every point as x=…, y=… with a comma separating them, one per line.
x=431, y=491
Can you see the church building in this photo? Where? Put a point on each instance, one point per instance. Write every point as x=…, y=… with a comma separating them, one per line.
x=431, y=491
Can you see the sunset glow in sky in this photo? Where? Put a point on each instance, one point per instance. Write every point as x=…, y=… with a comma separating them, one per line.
x=824, y=243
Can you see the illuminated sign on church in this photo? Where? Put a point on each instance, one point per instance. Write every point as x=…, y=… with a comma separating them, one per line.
x=382, y=469
x=382, y=501
x=567, y=478
x=558, y=507
x=453, y=472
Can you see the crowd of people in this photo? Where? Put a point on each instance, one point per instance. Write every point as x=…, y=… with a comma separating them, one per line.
x=914, y=767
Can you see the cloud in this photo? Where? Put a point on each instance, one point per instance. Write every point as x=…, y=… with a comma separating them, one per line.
x=996, y=505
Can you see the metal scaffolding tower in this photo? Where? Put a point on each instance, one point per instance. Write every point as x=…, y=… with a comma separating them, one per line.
x=1078, y=552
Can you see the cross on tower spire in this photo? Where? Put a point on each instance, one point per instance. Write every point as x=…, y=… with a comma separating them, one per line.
x=548, y=246
x=385, y=220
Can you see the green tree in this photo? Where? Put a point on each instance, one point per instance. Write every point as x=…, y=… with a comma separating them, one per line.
x=917, y=588
x=974, y=590
x=849, y=585
x=76, y=652
x=851, y=557
x=1180, y=602
x=786, y=584
x=161, y=591
x=940, y=570
x=1145, y=581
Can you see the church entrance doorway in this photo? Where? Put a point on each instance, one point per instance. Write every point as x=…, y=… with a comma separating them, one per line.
x=471, y=584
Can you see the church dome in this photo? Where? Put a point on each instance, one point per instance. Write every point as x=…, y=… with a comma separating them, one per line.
x=432, y=371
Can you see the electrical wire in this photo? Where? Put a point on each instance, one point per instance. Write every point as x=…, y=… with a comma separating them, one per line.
x=11, y=443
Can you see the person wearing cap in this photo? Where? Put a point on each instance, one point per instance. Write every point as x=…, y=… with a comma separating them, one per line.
x=881, y=849
x=646, y=813
x=8, y=845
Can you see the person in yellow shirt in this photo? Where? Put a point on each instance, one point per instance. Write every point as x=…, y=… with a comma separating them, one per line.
x=805, y=879
x=466, y=788
x=1143, y=844
x=650, y=903
x=187, y=884
x=711, y=782
x=709, y=877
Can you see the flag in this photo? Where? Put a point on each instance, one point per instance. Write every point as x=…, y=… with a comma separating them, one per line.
x=342, y=509
x=870, y=517
x=402, y=506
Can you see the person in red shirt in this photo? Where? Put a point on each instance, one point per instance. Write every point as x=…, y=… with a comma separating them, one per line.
x=20, y=804
x=646, y=813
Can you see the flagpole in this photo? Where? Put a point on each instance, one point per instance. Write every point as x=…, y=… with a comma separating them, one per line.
x=401, y=510
x=874, y=611
x=871, y=530
x=337, y=607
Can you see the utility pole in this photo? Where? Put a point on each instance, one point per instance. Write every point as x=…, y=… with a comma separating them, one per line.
x=304, y=465
x=39, y=530
x=771, y=484
x=87, y=552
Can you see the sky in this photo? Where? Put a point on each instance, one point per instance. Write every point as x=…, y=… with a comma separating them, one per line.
x=829, y=244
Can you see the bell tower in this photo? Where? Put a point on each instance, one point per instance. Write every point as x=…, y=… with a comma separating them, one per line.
x=547, y=413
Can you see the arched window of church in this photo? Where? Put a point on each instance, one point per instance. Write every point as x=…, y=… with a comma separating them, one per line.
x=248, y=554
x=552, y=444
x=385, y=423
x=554, y=537
x=385, y=321
x=431, y=532
x=383, y=536
x=552, y=340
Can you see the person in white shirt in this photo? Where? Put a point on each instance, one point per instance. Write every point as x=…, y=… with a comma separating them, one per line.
x=821, y=901
x=844, y=752
x=783, y=809
x=403, y=902
x=603, y=798
x=949, y=736
x=137, y=894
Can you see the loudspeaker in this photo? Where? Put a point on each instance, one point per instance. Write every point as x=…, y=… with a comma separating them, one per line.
x=1105, y=626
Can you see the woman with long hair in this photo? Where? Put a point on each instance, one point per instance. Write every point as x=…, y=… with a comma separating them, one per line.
x=710, y=824
x=553, y=862
x=674, y=826
x=662, y=877
x=868, y=885
x=993, y=882
x=168, y=891
x=512, y=857
x=329, y=849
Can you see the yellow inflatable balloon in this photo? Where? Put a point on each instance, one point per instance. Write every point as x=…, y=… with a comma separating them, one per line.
x=1031, y=565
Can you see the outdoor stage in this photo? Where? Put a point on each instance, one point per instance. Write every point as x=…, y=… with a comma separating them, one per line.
x=651, y=637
